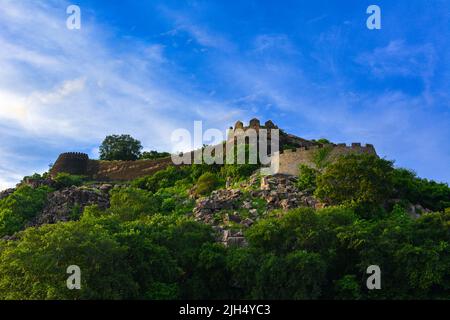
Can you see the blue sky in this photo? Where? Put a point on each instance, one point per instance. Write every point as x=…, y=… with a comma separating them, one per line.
x=149, y=67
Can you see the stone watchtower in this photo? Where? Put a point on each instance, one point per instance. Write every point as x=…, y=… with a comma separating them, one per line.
x=71, y=162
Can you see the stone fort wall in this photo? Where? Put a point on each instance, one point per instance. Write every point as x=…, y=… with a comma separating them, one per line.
x=80, y=164
x=291, y=159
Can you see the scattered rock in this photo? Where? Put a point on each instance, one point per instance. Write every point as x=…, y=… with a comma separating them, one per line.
x=248, y=222
x=278, y=191
x=105, y=188
x=234, y=218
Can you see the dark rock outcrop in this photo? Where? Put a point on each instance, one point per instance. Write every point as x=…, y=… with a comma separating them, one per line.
x=68, y=203
x=6, y=193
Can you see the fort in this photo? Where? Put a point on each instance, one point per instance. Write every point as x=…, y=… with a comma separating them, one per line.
x=293, y=152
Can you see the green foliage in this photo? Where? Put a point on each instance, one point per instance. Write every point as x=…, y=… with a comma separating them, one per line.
x=35, y=266
x=324, y=141
x=299, y=254
x=430, y=194
x=243, y=170
x=120, y=147
x=164, y=178
x=146, y=245
x=64, y=180
x=320, y=156
x=238, y=171
x=359, y=179
x=307, y=178
x=206, y=183
x=153, y=154
x=131, y=203
x=20, y=207
x=36, y=176
x=348, y=288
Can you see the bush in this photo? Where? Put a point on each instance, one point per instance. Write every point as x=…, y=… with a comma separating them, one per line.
x=64, y=180
x=307, y=178
x=153, y=154
x=163, y=179
x=132, y=203
x=206, y=183
x=20, y=207
x=356, y=178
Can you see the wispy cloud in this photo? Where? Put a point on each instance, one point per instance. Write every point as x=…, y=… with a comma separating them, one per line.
x=399, y=58
x=71, y=87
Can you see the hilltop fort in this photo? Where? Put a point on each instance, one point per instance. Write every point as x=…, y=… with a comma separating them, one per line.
x=293, y=152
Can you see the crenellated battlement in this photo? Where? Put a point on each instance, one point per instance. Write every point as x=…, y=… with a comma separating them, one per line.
x=74, y=155
x=253, y=124
x=354, y=146
x=71, y=162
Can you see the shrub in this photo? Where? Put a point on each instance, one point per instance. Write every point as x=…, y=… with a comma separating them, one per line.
x=355, y=178
x=162, y=179
x=307, y=178
x=132, y=203
x=206, y=183
x=153, y=154
x=64, y=180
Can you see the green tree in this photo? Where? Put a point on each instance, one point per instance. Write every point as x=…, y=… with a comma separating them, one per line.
x=430, y=194
x=34, y=267
x=120, y=147
x=356, y=178
x=20, y=207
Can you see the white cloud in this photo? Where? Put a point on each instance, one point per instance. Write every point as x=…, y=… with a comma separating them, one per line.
x=398, y=58
x=70, y=88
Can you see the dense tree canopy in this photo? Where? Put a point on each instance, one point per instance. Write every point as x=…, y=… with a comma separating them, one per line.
x=356, y=178
x=147, y=245
x=120, y=147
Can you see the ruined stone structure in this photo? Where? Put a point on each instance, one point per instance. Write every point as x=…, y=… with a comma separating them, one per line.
x=254, y=124
x=293, y=152
x=289, y=160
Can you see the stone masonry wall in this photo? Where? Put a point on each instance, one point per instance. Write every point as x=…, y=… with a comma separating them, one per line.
x=291, y=159
x=80, y=164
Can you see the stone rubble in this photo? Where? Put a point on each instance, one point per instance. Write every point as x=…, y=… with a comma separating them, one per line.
x=278, y=191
